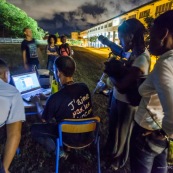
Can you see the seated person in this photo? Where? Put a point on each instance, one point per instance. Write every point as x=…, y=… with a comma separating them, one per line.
x=73, y=100
x=12, y=115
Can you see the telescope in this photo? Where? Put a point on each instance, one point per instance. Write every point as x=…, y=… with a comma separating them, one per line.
x=117, y=50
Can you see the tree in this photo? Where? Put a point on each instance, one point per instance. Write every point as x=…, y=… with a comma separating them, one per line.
x=93, y=39
x=57, y=35
x=149, y=21
x=14, y=20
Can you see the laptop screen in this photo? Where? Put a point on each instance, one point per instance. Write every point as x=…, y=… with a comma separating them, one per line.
x=26, y=82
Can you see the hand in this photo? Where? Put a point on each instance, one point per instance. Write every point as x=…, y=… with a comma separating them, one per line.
x=35, y=99
x=43, y=96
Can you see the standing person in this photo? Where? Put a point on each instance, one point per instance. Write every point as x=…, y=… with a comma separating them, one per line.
x=64, y=48
x=131, y=36
x=29, y=50
x=72, y=101
x=149, y=153
x=51, y=51
x=11, y=115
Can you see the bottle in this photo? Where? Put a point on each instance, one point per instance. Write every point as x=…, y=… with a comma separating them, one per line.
x=54, y=87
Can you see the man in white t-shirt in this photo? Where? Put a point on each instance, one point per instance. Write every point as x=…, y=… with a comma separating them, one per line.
x=11, y=114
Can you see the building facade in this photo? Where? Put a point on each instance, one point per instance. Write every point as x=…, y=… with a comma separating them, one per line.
x=109, y=27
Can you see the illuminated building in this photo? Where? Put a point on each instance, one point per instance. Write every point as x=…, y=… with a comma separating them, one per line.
x=109, y=27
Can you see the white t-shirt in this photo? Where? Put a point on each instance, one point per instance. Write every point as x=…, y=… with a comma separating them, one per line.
x=157, y=96
x=11, y=104
x=142, y=62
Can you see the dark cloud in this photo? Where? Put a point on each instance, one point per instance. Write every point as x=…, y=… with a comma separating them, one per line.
x=65, y=16
x=64, y=23
x=93, y=9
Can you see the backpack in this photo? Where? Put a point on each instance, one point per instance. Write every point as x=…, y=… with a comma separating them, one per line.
x=64, y=50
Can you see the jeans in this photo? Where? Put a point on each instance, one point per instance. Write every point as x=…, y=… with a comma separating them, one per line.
x=45, y=134
x=142, y=158
x=50, y=64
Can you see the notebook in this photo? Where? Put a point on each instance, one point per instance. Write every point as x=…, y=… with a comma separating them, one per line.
x=28, y=85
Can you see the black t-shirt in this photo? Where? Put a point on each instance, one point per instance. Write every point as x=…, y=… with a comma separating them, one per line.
x=31, y=51
x=72, y=101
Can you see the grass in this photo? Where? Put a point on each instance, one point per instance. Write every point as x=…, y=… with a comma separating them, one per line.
x=33, y=158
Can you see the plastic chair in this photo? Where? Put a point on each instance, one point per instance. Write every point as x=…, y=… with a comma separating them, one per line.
x=76, y=126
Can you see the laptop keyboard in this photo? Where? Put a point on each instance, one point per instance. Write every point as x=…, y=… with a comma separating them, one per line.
x=27, y=96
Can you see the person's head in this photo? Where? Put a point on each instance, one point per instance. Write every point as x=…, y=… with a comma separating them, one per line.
x=131, y=35
x=161, y=34
x=27, y=32
x=4, y=71
x=63, y=39
x=52, y=39
x=64, y=67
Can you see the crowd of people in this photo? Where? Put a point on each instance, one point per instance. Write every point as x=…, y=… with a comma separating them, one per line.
x=136, y=130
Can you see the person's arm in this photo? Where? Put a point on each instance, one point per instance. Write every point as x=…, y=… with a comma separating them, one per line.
x=51, y=53
x=25, y=63
x=162, y=80
x=139, y=67
x=70, y=51
x=12, y=143
x=36, y=100
x=48, y=51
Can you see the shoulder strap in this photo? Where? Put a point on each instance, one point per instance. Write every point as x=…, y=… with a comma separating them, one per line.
x=151, y=115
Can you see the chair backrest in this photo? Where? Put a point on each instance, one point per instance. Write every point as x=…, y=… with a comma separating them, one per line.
x=78, y=126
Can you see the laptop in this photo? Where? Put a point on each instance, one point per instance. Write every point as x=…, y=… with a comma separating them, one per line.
x=28, y=85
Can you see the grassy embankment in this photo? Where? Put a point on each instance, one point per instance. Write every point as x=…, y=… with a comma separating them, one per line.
x=33, y=158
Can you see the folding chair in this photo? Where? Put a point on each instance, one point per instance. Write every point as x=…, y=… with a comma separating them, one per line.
x=78, y=126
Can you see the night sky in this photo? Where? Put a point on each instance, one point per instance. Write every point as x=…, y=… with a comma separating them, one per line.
x=65, y=16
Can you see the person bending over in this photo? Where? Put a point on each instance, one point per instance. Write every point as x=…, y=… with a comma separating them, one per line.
x=131, y=36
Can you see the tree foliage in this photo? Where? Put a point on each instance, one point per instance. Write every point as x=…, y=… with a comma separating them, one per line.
x=149, y=21
x=13, y=20
x=75, y=42
x=93, y=39
x=57, y=34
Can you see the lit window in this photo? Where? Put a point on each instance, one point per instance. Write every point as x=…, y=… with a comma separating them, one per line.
x=132, y=16
x=162, y=8
x=144, y=13
x=116, y=22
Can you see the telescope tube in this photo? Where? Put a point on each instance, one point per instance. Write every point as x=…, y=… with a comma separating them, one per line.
x=117, y=50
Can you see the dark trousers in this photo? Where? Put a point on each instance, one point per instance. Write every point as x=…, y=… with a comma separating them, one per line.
x=45, y=134
x=32, y=66
x=142, y=158
x=1, y=168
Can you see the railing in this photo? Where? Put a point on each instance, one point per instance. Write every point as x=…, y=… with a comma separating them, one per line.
x=18, y=40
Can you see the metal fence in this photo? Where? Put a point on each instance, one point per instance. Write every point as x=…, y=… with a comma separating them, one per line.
x=18, y=40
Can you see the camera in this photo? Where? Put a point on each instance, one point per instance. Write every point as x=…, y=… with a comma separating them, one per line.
x=117, y=50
